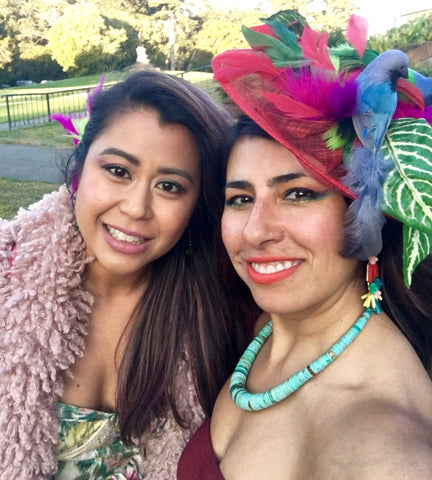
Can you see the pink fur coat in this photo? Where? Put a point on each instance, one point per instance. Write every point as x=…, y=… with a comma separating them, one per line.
x=43, y=320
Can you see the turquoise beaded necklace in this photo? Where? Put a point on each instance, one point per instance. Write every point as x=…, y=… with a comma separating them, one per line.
x=258, y=401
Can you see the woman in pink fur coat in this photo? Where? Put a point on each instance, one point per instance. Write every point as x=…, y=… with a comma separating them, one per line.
x=114, y=316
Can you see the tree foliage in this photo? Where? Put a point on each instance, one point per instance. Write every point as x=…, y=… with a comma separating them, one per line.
x=220, y=32
x=334, y=17
x=81, y=45
x=47, y=39
x=5, y=53
x=405, y=37
x=331, y=16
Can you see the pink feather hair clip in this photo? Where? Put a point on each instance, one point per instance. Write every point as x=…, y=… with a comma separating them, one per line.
x=74, y=126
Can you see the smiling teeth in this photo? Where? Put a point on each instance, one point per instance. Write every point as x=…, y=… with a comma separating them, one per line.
x=123, y=237
x=267, y=268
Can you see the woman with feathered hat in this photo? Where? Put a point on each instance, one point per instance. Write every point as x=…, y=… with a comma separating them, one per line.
x=328, y=220
x=113, y=315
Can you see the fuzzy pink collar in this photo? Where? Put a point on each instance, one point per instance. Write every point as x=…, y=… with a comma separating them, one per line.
x=43, y=320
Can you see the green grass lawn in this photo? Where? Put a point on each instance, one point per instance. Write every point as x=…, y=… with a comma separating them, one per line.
x=46, y=135
x=85, y=81
x=16, y=193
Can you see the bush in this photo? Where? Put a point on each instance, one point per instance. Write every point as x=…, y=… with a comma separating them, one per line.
x=410, y=35
x=38, y=69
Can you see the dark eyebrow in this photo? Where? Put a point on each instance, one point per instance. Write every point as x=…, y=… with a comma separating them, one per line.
x=245, y=185
x=135, y=161
x=285, y=178
x=239, y=184
x=175, y=171
x=121, y=153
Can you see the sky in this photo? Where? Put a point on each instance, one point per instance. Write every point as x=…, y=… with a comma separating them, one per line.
x=381, y=14
x=385, y=14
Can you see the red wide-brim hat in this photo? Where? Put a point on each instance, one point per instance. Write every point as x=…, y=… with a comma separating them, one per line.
x=258, y=88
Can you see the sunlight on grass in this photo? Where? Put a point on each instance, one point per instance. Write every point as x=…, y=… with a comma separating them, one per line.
x=85, y=81
x=47, y=135
x=15, y=194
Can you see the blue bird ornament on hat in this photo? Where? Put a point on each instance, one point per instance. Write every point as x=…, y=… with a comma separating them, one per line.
x=358, y=121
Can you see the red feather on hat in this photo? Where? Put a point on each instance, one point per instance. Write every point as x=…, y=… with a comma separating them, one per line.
x=233, y=64
x=294, y=108
x=315, y=47
x=411, y=92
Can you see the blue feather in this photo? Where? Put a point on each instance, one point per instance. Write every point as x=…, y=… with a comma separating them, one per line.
x=376, y=104
x=364, y=219
x=424, y=84
x=377, y=97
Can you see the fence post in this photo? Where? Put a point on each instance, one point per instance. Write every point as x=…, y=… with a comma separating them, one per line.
x=8, y=112
x=48, y=107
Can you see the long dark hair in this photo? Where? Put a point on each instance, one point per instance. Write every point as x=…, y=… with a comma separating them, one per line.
x=409, y=308
x=188, y=307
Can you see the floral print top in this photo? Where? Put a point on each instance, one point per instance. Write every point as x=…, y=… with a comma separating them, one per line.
x=90, y=447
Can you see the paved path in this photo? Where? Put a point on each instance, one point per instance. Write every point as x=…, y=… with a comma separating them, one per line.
x=38, y=164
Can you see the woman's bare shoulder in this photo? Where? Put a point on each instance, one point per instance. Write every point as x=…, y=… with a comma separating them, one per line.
x=380, y=439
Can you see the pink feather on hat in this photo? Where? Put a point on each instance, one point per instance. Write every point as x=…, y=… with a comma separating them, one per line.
x=357, y=33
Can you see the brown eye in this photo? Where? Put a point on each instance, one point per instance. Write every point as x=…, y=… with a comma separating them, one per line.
x=238, y=201
x=170, y=186
x=118, y=171
x=300, y=194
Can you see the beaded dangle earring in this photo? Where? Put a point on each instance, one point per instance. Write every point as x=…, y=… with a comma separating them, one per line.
x=371, y=299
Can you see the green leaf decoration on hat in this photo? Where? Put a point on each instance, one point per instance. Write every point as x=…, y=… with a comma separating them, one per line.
x=349, y=57
x=417, y=246
x=280, y=53
x=284, y=45
x=407, y=190
x=408, y=187
x=290, y=18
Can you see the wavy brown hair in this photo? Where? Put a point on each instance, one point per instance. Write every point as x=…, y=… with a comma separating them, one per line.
x=194, y=303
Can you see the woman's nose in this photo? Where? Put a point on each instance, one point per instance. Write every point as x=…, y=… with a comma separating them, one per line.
x=263, y=225
x=137, y=203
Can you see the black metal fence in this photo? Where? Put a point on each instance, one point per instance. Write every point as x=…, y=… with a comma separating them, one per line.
x=35, y=108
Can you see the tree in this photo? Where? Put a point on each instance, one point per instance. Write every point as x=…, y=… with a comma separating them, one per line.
x=322, y=15
x=5, y=53
x=90, y=35
x=88, y=46
x=221, y=31
x=25, y=23
x=155, y=32
x=37, y=64
x=29, y=20
x=409, y=35
x=334, y=16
